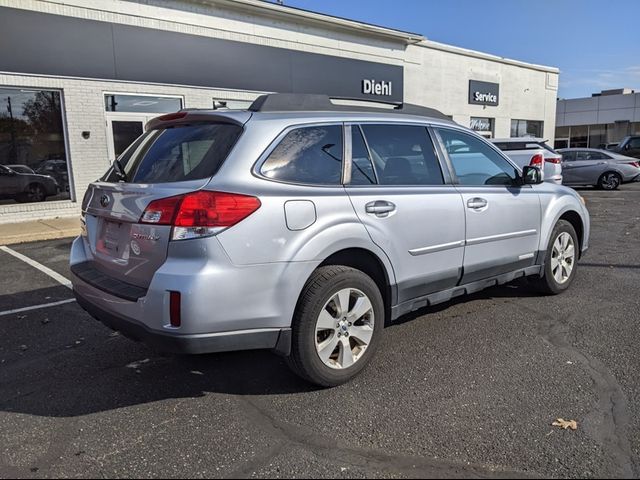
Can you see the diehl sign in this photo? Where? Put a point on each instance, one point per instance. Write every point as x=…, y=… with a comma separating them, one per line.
x=372, y=87
x=484, y=93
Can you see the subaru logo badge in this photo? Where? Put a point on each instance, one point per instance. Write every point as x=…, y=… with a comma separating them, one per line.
x=104, y=201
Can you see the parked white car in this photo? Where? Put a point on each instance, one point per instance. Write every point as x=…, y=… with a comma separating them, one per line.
x=535, y=152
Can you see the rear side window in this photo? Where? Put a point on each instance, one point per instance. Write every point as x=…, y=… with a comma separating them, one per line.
x=403, y=155
x=177, y=154
x=361, y=167
x=309, y=155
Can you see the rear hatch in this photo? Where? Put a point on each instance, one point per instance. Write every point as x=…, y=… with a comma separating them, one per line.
x=174, y=157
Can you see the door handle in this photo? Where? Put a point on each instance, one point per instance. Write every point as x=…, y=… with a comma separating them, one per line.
x=380, y=208
x=477, y=203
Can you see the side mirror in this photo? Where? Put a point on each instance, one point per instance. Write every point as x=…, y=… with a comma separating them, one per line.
x=531, y=175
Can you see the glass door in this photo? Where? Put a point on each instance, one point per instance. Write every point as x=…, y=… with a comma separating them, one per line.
x=122, y=130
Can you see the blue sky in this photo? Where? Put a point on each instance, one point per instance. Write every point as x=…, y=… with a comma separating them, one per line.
x=596, y=44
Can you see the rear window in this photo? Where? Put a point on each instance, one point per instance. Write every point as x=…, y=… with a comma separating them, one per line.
x=178, y=154
x=511, y=146
x=309, y=155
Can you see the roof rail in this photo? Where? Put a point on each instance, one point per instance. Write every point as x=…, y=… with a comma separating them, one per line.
x=303, y=102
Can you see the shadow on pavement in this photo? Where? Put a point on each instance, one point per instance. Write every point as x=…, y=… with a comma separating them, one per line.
x=71, y=365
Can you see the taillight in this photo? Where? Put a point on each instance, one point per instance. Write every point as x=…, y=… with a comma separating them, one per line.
x=201, y=213
x=635, y=164
x=161, y=212
x=537, y=160
x=555, y=160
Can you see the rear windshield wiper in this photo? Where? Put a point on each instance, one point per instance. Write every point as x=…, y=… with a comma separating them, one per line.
x=117, y=167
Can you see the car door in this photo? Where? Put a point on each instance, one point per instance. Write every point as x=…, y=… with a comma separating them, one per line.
x=568, y=168
x=407, y=204
x=502, y=217
x=588, y=166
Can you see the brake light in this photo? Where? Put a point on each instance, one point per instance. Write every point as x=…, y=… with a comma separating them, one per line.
x=172, y=116
x=537, y=160
x=215, y=209
x=635, y=164
x=201, y=213
x=555, y=160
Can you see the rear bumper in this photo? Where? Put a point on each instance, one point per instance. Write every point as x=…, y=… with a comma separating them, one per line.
x=268, y=338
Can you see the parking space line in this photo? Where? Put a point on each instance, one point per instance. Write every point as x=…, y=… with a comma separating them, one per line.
x=36, y=307
x=56, y=276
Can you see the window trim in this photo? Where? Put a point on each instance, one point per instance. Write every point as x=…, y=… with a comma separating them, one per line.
x=446, y=178
x=454, y=176
x=257, y=166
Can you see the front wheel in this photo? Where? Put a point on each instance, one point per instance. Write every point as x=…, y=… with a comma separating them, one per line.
x=337, y=325
x=34, y=193
x=609, y=181
x=561, y=259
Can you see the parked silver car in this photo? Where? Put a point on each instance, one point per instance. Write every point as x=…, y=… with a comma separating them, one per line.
x=535, y=152
x=20, y=183
x=303, y=226
x=603, y=169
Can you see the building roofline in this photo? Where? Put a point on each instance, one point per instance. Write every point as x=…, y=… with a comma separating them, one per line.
x=288, y=11
x=485, y=56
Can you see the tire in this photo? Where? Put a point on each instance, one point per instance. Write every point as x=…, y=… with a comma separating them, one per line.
x=555, y=281
x=34, y=193
x=609, y=181
x=319, y=307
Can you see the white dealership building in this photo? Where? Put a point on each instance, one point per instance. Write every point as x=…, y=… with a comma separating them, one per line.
x=80, y=78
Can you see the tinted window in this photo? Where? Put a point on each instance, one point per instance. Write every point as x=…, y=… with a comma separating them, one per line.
x=634, y=143
x=475, y=162
x=179, y=153
x=568, y=156
x=311, y=155
x=587, y=155
x=403, y=155
x=361, y=168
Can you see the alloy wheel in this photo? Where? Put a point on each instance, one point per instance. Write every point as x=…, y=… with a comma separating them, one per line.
x=35, y=193
x=344, y=328
x=610, y=181
x=563, y=258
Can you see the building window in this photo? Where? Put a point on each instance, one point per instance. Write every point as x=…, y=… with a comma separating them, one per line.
x=141, y=103
x=483, y=125
x=32, y=147
x=579, y=136
x=526, y=128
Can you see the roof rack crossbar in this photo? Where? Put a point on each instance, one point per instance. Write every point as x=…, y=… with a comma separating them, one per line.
x=304, y=102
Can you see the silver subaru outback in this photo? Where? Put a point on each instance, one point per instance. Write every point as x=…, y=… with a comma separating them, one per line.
x=303, y=226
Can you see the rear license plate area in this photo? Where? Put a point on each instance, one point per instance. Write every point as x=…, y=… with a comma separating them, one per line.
x=110, y=239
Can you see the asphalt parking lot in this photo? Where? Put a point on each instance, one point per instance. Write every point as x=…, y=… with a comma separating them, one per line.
x=465, y=389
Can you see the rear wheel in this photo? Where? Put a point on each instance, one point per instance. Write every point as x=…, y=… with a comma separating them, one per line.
x=337, y=325
x=609, y=181
x=561, y=260
x=34, y=193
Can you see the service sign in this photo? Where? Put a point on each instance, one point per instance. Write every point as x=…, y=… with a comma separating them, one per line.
x=484, y=93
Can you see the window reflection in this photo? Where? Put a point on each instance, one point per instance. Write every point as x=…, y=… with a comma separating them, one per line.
x=32, y=147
